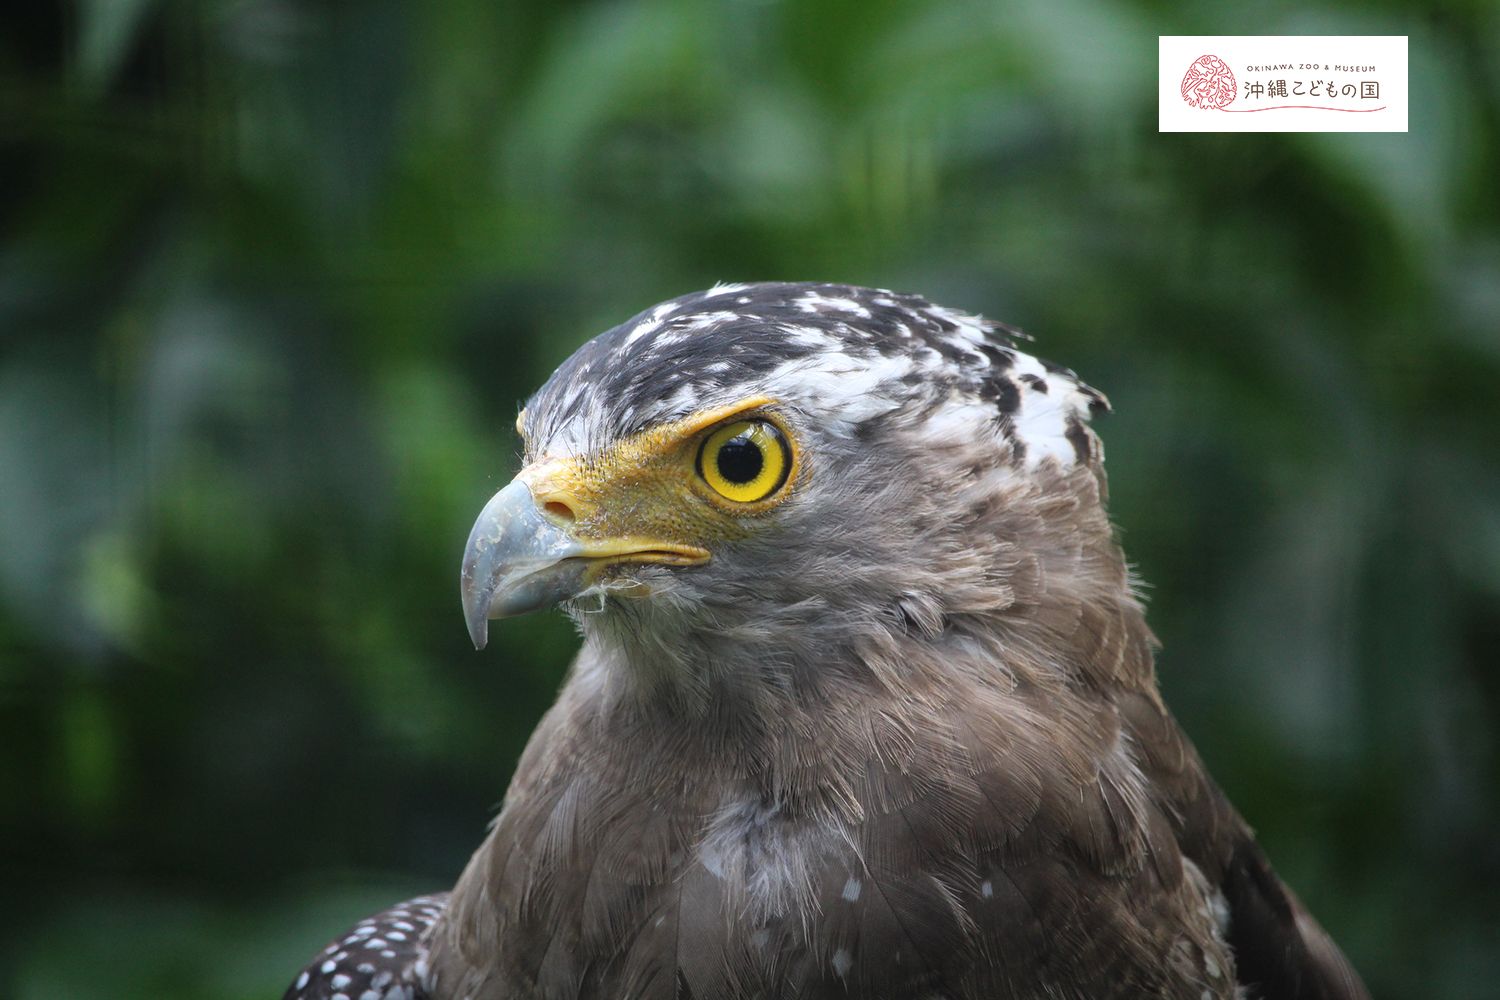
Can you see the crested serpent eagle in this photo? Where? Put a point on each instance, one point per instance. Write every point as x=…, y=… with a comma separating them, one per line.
x=866, y=703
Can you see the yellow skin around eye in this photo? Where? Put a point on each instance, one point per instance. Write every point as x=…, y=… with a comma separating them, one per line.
x=643, y=499
x=773, y=461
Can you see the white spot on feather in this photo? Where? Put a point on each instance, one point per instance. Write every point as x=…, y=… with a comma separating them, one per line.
x=847, y=390
x=767, y=865
x=842, y=962
x=852, y=889
x=643, y=328
x=1041, y=419
x=845, y=305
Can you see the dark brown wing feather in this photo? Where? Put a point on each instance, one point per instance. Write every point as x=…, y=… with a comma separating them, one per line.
x=1280, y=951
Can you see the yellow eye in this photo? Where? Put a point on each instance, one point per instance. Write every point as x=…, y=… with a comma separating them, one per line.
x=746, y=460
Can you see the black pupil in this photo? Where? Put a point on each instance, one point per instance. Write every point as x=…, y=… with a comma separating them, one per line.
x=740, y=460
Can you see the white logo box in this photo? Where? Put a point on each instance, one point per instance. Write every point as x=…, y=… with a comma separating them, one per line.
x=1281, y=83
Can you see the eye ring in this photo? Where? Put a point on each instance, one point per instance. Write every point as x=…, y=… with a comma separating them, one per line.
x=745, y=461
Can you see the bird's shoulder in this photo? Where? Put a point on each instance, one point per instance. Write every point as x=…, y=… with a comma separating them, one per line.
x=383, y=957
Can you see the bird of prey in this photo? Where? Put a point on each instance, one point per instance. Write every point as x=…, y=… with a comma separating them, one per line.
x=866, y=705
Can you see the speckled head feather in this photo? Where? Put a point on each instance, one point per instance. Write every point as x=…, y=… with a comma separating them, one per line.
x=930, y=441
x=852, y=354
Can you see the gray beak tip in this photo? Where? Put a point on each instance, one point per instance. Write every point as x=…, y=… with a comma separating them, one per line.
x=478, y=585
x=476, y=610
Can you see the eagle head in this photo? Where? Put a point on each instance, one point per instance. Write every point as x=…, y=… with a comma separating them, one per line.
x=759, y=478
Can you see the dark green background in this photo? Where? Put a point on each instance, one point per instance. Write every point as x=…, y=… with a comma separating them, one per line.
x=275, y=274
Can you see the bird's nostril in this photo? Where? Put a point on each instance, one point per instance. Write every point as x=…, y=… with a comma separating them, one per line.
x=559, y=512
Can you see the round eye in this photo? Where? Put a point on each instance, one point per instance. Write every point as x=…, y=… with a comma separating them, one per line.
x=745, y=461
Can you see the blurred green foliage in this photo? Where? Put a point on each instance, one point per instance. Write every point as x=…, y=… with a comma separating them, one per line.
x=274, y=275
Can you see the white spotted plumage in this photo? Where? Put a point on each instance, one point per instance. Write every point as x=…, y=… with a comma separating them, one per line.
x=346, y=969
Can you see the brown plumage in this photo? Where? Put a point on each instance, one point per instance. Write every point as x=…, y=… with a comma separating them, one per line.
x=896, y=734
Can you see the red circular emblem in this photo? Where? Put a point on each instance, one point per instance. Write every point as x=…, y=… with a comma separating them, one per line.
x=1209, y=83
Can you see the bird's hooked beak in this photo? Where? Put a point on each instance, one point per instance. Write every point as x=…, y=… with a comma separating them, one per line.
x=545, y=538
x=517, y=560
